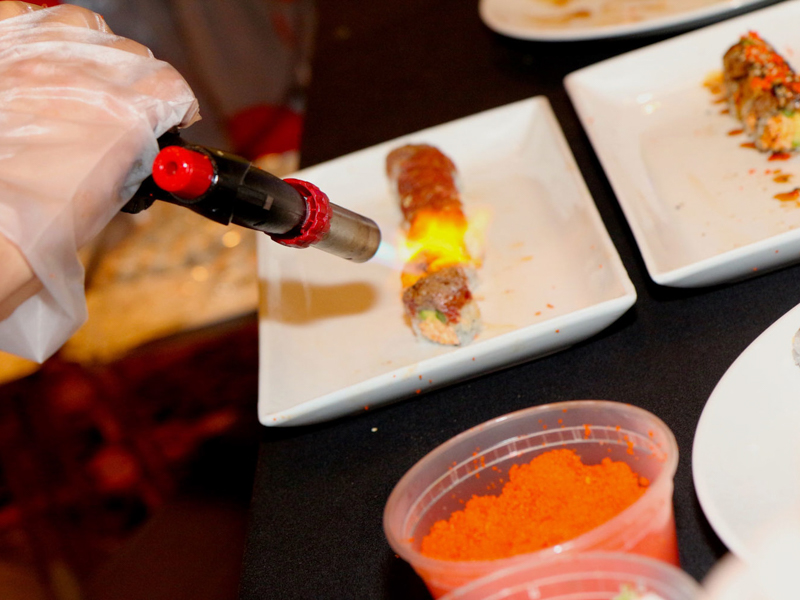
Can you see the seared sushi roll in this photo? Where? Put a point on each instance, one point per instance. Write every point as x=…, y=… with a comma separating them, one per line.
x=764, y=93
x=437, y=278
x=441, y=308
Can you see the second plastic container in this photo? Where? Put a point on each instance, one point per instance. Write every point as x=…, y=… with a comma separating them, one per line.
x=463, y=467
x=584, y=576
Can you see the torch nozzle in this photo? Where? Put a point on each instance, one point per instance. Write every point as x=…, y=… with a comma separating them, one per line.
x=351, y=236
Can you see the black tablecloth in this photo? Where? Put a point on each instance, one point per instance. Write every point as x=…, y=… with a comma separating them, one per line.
x=391, y=67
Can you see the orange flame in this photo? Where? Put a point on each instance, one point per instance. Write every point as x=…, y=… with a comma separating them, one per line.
x=437, y=240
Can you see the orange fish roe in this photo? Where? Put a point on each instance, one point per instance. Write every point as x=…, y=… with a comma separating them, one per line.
x=545, y=502
x=770, y=67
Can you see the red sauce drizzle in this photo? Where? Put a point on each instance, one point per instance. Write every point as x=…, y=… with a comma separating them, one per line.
x=780, y=156
x=788, y=196
x=735, y=132
x=748, y=145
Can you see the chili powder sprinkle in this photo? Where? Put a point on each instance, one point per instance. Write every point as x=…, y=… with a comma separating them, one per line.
x=548, y=501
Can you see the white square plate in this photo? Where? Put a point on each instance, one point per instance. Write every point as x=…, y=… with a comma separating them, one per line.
x=332, y=335
x=701, y=207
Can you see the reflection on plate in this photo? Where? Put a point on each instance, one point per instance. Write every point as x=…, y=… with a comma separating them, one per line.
x=703, y=208
x=333, y=339
x=746, y=454
x=565, y=20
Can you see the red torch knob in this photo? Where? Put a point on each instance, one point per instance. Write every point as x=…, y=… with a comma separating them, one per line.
x=185, y=173
x=318, y=216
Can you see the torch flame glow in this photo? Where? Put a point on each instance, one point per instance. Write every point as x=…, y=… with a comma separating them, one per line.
x=438, y=240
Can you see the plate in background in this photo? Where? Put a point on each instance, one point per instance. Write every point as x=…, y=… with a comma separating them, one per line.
x=571, y=20
x=333, y=339
x=701, y=207
x=746, y=452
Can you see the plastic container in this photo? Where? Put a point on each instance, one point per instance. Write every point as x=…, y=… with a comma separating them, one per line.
x=462, y=467
x=588, y=576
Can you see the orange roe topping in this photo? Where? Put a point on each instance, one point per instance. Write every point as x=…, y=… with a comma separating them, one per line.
x=773, y=69
x=548, y=501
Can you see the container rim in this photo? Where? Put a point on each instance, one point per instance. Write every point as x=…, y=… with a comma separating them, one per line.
x=683, y=579
x=417, y=559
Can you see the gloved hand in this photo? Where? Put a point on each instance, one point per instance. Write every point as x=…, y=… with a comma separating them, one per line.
x=80, y=112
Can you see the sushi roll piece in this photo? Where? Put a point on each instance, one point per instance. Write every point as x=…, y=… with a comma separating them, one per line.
x=437, y=278
x=764, y=93
x=425, y=182
x=441, y=308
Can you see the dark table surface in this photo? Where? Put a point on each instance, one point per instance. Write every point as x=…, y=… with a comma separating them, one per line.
x=387, y=68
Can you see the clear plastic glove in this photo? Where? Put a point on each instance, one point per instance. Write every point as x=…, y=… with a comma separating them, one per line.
x=80, y=112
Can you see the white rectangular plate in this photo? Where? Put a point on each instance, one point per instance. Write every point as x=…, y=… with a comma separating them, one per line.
x=333, y=339
x=701, y=206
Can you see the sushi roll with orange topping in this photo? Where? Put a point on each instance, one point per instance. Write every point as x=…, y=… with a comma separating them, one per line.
x=764, y=93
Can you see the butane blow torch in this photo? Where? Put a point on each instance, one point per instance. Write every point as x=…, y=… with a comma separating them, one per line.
x=230, y=189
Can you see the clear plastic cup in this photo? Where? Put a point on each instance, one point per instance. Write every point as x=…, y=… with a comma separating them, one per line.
x=462, y=467
x=588, y=576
